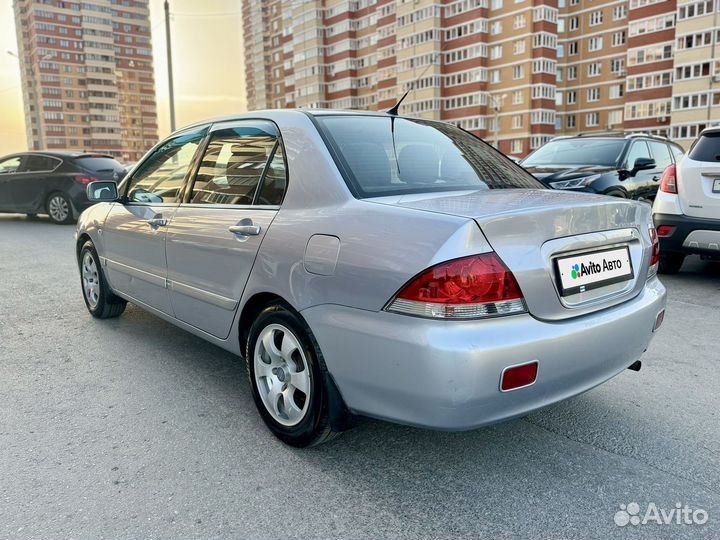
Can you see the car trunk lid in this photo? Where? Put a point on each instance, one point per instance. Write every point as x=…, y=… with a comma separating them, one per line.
x=530, y=229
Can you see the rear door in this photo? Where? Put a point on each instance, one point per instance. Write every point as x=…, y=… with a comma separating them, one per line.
x=35, y=182
x=135, y=230
x=8, y=170
x=699, y=178
x=215, y=235
x=663, y=157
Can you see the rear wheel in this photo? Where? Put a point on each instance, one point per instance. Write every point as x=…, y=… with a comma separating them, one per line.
x=59, y=208
x=616, y=193
x=287, y=377
x=670, y=263
x=100, y=301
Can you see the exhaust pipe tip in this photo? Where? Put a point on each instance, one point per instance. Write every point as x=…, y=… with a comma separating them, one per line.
x=636, y=365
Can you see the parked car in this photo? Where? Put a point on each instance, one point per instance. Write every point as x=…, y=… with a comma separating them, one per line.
x=687, y=209
x=370, y=264
x=628, y=166
x=52, y=183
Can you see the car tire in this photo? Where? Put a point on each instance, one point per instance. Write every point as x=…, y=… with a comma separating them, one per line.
x=670, y=263
x=617, y=193
x=59, y=208
x=287, y=376
x=99, y=299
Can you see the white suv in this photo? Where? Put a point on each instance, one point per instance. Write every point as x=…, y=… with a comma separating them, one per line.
x=687, y=206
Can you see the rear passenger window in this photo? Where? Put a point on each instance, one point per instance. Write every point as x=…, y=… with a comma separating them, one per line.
x=35, y=163
x=661, y=154
x=242, y=165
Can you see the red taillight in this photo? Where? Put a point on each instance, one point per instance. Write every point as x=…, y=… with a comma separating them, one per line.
x=668, y=184
x=655, y=257
x=663, y=231
x=471, y=287
x=518, y=376
x=84, y=180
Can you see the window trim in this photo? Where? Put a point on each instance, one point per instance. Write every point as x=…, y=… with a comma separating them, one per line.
x=24, y=157
x=190, y=181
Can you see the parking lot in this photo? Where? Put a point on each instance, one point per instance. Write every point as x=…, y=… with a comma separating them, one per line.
x=131, y=427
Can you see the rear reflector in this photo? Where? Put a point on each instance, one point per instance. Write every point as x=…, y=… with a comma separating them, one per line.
x=472, y=287
x=663, y=231
x=655, y=254
x=659, y=320
x=84, y=180
x=518, y=376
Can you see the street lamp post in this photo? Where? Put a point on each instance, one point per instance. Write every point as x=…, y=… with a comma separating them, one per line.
x=35, y=90
x=169, y=63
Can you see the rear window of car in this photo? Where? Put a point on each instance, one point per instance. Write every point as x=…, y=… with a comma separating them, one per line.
x=383, y=155
x=707, y=148
x=98, y=164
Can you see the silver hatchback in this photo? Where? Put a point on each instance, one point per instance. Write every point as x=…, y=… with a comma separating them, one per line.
x=371, y=264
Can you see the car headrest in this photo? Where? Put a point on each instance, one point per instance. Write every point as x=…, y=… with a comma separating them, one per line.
x=369, y=162
x=418, y=164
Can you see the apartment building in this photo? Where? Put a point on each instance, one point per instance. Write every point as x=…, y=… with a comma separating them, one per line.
x=87, y=75
x=515, y=72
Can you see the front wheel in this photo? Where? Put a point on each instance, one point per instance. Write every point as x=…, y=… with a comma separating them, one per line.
x=99, y=299
x=59, y=208
x=286, y=374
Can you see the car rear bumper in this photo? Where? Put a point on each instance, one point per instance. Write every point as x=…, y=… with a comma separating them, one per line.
x=446, y=374
x=690, y=235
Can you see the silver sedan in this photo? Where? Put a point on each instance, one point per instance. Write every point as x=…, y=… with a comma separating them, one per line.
x=377, y=265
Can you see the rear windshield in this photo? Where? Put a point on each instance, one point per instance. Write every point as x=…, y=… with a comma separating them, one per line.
x=393, y=156
x=99, y=164
x=576, y=152
x=707, y=148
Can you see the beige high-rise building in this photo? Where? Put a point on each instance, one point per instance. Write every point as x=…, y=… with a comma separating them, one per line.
x=87, y=75
x=515, y=71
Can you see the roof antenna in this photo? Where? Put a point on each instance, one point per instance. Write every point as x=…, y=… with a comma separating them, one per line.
x=394, y=110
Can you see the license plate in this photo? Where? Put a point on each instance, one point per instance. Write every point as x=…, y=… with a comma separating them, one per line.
x=716, y=185
x=587, y=271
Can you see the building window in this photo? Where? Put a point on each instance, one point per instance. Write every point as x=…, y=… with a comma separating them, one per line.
x=615, y=118
x=571, y=121
x=572, y=97
x=497, y=4
x=618, y=38
x=519, y=47
x=518, y=97
x=519, y=22
x=595, y=43
x=596, y=18
x=619, y=12
x=518, y=72
x=516, y=146
x=572, y=48
x=496, y=28
x=594, y=69
x=572, y=73
x=593, y=94
x=574, y=23
x=592, y=119
x=517, y=121
x=617, y=91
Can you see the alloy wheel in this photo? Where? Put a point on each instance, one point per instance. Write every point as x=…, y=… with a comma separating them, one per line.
x=58, y=208
x=90, y=278
x=282, y=375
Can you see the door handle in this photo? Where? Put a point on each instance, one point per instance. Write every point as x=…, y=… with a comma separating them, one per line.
x=157, y=222
x=248, y=230
x=656, y=178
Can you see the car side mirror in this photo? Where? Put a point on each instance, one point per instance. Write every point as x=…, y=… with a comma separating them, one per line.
x=642, y=164
x=102, y=192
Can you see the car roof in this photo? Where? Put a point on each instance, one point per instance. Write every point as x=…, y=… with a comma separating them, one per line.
x=62, y=154
x=258, y=114
x=713, y=129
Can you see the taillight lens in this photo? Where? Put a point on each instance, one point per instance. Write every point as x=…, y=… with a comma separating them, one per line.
x=84, y=180
x=473, y=287
x=655, y=257
x=668, y=184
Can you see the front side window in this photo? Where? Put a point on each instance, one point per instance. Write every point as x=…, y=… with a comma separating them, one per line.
x=160, y=178
x=383, y=155
x=235, y=170
x=576, y=152
x=639, y=149
x=10, y=165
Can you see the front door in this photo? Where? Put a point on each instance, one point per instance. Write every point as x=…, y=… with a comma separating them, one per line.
x=214, y=237
x=135, y=230
x=8, y=173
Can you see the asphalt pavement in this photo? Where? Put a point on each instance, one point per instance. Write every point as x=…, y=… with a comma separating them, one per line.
x=132, y=428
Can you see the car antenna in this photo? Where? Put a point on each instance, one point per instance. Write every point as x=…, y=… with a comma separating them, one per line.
x=395, y=108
